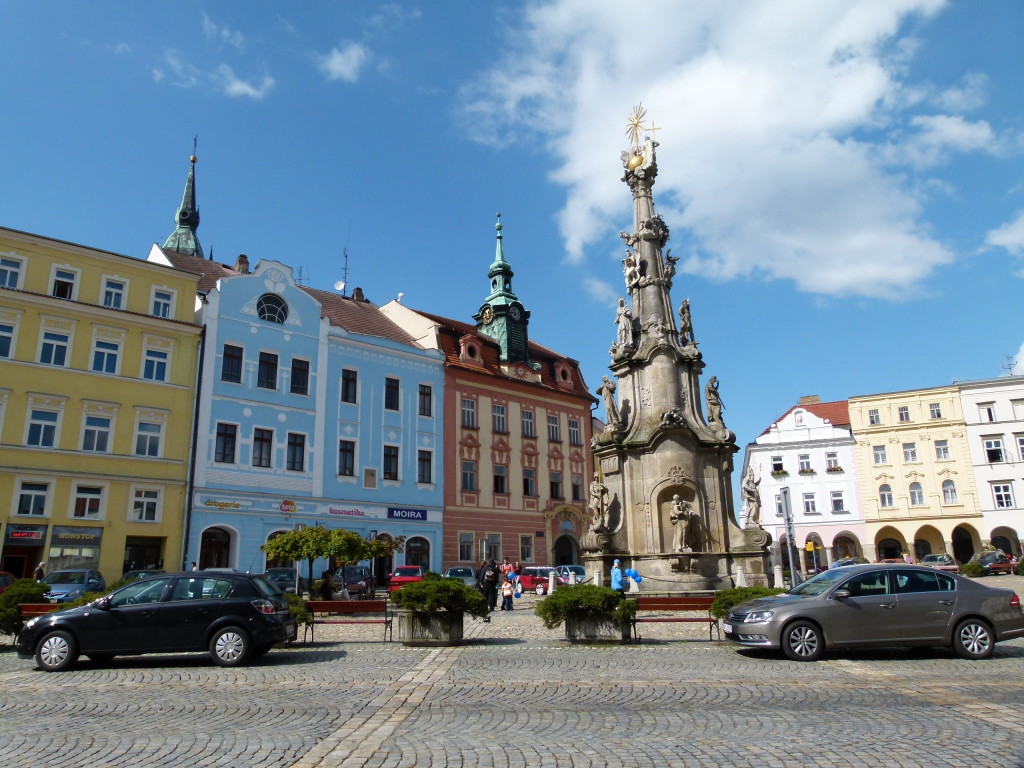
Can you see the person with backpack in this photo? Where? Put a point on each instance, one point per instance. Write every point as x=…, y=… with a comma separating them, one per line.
x=489, y=584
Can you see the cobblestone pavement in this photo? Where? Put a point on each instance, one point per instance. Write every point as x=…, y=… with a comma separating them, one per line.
x=516, y=696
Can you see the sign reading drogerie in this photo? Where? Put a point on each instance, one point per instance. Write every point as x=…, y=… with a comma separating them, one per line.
x=403, y=513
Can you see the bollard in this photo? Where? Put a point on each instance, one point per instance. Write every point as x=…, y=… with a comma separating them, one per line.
x=572, y=577
x=552, y=582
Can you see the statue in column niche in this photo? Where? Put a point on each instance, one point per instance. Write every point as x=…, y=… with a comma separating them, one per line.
x=714, y=401
x=599, y=507
x=607, y=394
x=685, y=323
x=750, y=497
x=680, y=517
x=624, y=320
x=631, y=270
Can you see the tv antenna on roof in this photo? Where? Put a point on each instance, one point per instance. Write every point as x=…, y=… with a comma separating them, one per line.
x=1009, y=365
x=342, y=284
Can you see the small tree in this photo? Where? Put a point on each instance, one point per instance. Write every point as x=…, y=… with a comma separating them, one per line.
x=309, y=543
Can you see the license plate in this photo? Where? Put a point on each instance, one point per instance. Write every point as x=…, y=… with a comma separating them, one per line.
x=54, y=600
x=727, y=628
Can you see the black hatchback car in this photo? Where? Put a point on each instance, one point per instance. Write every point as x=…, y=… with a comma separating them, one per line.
x=235, y=617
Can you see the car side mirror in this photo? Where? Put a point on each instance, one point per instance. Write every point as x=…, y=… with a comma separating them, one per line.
x=103, y=603
x=841, y=594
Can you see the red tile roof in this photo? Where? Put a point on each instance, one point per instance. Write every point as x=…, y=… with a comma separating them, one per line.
x=453, y=330
x=836, y=412
x=209, y=271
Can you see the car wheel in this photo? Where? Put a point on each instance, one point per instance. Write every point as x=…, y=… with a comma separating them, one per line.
x=56, y=651
x=230, y=647
x=972, y=639
x=802, y=641
x=540, y=589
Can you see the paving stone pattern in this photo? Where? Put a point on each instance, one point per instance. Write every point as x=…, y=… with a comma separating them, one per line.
x=517, y=696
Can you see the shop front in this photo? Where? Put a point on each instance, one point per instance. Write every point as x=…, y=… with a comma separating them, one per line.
x=74, y=547
x=23, y=549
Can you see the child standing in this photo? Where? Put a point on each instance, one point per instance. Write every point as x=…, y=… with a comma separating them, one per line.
x=508, y=587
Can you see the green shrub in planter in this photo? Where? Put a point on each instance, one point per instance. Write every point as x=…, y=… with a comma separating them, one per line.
x=21, y=591
x=440, y=595
x=972, y=569
x=587, y=602
x=299, y=610
x=725, y=599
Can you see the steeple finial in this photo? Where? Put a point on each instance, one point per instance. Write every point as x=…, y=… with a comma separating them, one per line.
x=184, y=239
x=499, y=252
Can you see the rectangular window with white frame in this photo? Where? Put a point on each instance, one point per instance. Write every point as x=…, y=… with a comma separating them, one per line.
x=347, y=458
x=33, y=499
x=575, y=436
x=873, y=416
x=468, y=413
x=993, y=449
x=987, y=412
x=424, y=467
x=114, y=291
x=1018, y=408
x=295, y=457
x=935, y=410
x=43, y=425
x=577, y=487
x=810, y=506
x=148, y=436
x=904, y=413
x=500, y=479
x=226, y=446
x=146, y=505
x=554, y=428
x=426, y=401
x=910, y=452
x=392, y=394
x=529, y=426
x=838, y=503
x=499, y=419
x=299, y=376
x=65, y=283
x=96, y=434
x=262, y=447
x=231, y=364
x=529, y=481
x=266, y=372
x=6, y=340
x=555, y=483
x=779, y=512
x=832, y=461
x=804, y=462
x=106, y=354
x=349, y=385
x=525, y=548
x=880, y=454
x=54, y=347
x=163, y=303
x=391, y=463
x=1020, y=446
x=10, y=272
x=1002, y=494
x=88, y=502
x=154, y=364
x=777, y=465
x=469, y=476
x=941, y=450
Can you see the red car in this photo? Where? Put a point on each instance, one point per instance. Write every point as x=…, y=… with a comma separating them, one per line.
x=405, y=574
x=535, y=578
x=993, y=562
x=6, y=579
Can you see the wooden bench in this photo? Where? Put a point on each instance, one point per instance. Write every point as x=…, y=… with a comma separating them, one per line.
x=28, y=610
x=681, y=604
x=330, y=611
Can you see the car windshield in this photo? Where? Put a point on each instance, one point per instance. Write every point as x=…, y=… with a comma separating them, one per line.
x=355, y=572
x=65, y=577
x=281, y=576
x=460, y=571
x=817, y=584
x=6, y=579
x=934, y=559
x=411, y=570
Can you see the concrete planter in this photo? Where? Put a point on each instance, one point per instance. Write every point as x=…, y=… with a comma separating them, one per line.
x=588, y=630
x=429, y=629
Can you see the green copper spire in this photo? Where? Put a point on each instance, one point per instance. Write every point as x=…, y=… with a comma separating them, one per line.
x=184, y=239
x=502, y=316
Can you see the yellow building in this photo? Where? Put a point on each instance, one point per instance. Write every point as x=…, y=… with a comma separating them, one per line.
x=98, y=363
x=914, y=467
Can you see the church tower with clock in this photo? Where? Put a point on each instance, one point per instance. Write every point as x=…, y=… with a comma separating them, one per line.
x=502, y=316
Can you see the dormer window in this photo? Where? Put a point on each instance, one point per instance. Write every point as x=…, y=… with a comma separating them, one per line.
x=469, y=350
x=798, y=418
x=272, y=308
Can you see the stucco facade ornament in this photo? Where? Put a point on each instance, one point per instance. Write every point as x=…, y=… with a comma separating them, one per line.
x=679, y=475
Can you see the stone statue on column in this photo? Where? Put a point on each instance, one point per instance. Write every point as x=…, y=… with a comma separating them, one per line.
x=607, y=394
x=685, y=323
x=714, y=401
x=680, y=517
x=752, y=503
x=624, y=321
x=599, y=507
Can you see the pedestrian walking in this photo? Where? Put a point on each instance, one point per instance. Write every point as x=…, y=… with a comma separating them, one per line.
x=506, y=568
x=508, y=588
x=489, y=584
x=40, y=572
x=193, y=567
x=518, y=568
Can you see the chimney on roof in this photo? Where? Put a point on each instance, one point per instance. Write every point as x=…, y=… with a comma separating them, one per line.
x=357, y=295
x=242, y=264
x=810, y=400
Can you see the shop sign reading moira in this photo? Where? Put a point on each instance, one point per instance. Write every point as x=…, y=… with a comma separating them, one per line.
x=401, y=513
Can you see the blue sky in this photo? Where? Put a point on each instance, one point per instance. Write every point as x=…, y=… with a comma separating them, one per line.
x=843, y=180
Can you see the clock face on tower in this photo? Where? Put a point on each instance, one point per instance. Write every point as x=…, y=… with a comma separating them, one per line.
x=487, y=315
x=514, y=313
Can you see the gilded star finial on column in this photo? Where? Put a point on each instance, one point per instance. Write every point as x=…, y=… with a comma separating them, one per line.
x=636, y=124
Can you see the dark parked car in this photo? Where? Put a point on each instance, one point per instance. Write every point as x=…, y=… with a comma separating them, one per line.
x=993, y=562
x=464, y=573
x=356, y=578
x=282, y=578
x=234, y=617
x=879, y=605
x=71, y=583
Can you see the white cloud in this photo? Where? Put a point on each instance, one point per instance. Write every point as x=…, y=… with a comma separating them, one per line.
x=790, y=138
x=344, y=63
x=232, y=85
x=1009, y=236
x=222, y=35
x=600, y=291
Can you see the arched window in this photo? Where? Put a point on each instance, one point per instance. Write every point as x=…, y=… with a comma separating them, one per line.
x=417, y=552
x=271, y=307
x=949, y=492
x=885, y=496
x=916, y=495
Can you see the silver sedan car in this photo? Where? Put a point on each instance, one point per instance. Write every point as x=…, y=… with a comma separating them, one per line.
x=879, y=605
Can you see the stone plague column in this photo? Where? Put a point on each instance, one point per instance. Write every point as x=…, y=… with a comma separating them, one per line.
x=662, y=499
